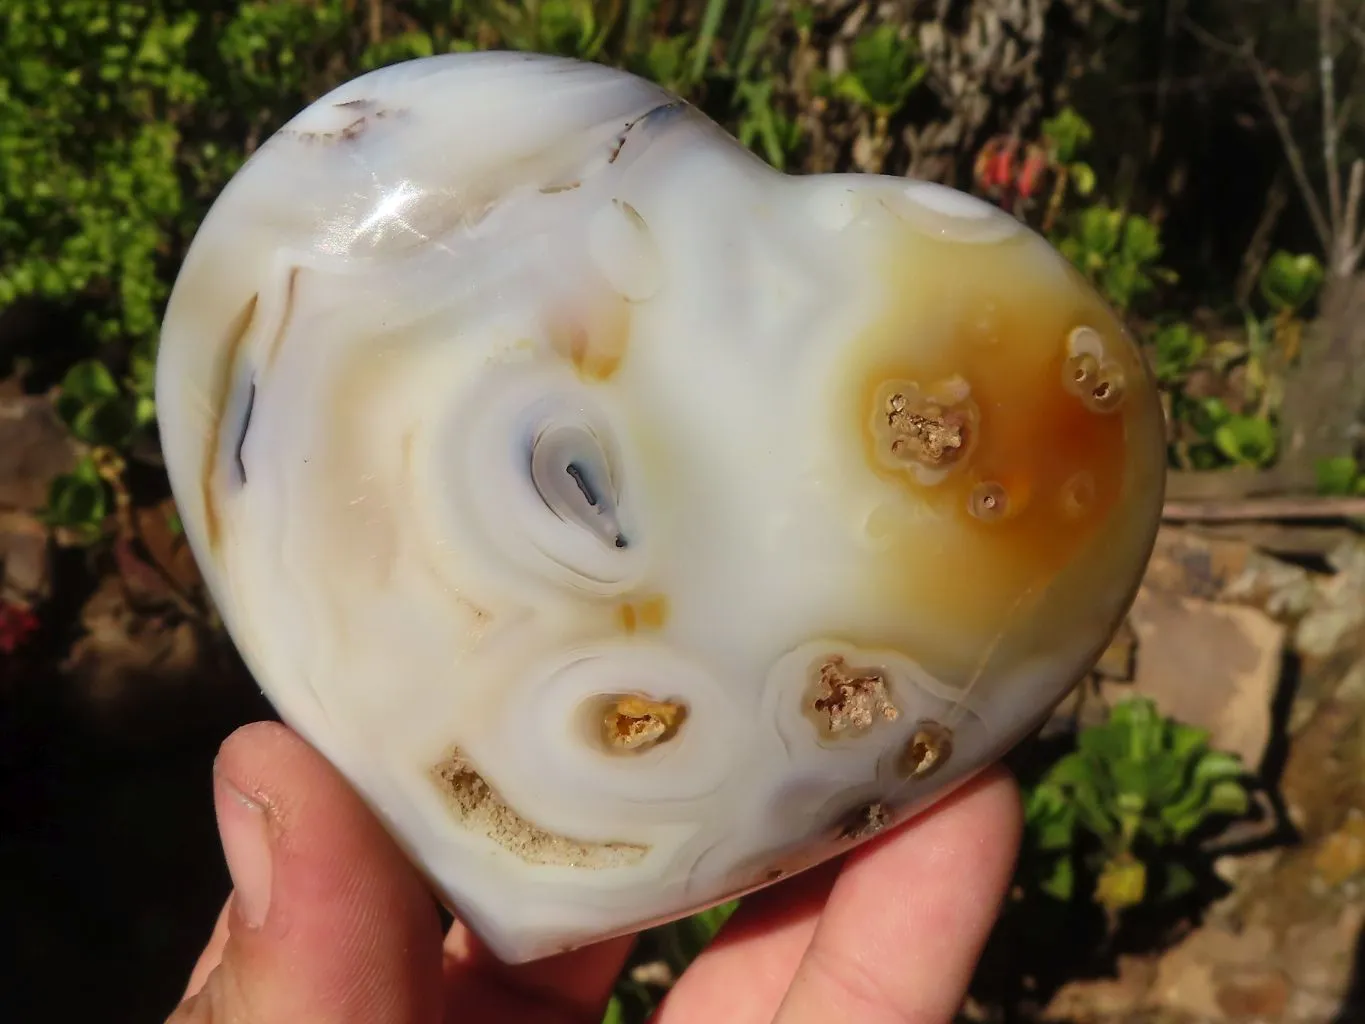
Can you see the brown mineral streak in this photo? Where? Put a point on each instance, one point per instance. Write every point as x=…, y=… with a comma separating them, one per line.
x=479, y=808
x=285, y=319
x=236, y=334
x=347, y=133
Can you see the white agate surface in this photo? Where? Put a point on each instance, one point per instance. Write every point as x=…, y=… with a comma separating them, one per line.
x=541, y=449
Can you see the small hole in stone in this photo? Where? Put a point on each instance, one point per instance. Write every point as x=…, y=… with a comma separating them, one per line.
x=864, y=821
x=632, y=724
x=927, y=750
x=1107, y=393
x=1080, y=373
x=989, y=502
x=844, y=700
x=1078, y=494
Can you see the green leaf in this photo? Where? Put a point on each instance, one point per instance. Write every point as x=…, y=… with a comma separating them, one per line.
x=1248, y=440
x=883, y=70
x=1228, y=798
x=1338, y=476
x=616, y=1013
x=1066, y=135
x=1289, y=282
x=1217, y=765
x=1060, y=882
x=1082, y=178
x=1122, y=883
x=79, y=500
x=1141, y=240
x=89, y=381
x=1177, y=881
x=1099, y=230
x=1178, y=348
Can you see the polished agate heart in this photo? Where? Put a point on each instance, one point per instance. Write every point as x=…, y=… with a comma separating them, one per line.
x=632, y=524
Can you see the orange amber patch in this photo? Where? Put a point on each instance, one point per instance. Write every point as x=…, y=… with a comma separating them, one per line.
x=1044, y=470
x=593, y=338
x=650, y=613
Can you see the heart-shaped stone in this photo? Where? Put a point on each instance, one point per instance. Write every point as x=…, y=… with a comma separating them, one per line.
x=632, y=524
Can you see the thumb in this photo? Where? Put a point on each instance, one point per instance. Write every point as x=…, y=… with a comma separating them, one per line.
x=326, y=922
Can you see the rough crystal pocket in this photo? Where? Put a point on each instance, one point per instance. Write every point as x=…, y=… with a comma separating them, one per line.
x=634, y=525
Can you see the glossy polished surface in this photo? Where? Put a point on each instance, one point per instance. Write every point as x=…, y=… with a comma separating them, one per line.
x=630, y=523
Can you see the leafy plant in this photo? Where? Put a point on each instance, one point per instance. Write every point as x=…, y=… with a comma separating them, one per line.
x=1341, y=476
x=80, y=501
x=884, y=69
x=1122, y=807
x=1289, y=282
x=1177, y=348
x=98, y=410
x=1067, y=133
x=1246, y=440
x=93, y=94
x=1116, y=250
x=762, y=128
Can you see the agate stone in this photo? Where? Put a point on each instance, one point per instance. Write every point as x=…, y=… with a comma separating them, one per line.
x=634, y=525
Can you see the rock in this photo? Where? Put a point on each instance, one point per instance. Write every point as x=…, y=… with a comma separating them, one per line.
x=25, y=559
x=1323, y=772
x=1319, y=955
x=1338, y=615
x=1195, y=564
x=1185, y=563
x=1117, y=660
x=1105, y=998
x=1209, y=665
x=1258, y=994
x=1217, y=972
x=1342, y=854
x=1184, y=982
x=34, y=447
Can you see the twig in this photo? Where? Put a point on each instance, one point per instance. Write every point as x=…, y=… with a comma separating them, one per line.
x=1355, y=194
x=1284, y=509
x=1353, y=30
x=1117, y=10
x=1328, y=85
x=376, y=21
x=1253, y=260
x=1293, y=154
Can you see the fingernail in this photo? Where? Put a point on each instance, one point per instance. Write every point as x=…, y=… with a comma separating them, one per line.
x=246, y=847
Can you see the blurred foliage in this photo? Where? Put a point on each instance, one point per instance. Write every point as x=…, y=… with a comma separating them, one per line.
x=669, y=949
x=120, y=121
x=882, y=72
x=1342, y=476
x=1116, y=815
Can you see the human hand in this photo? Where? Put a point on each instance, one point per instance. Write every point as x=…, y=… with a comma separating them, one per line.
x=328, y=923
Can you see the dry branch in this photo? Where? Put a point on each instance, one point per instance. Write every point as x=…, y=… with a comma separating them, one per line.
x=1283, y=509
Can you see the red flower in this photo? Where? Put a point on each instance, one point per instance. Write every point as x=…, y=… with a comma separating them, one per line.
x=17, y=625
x=1031, y=174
